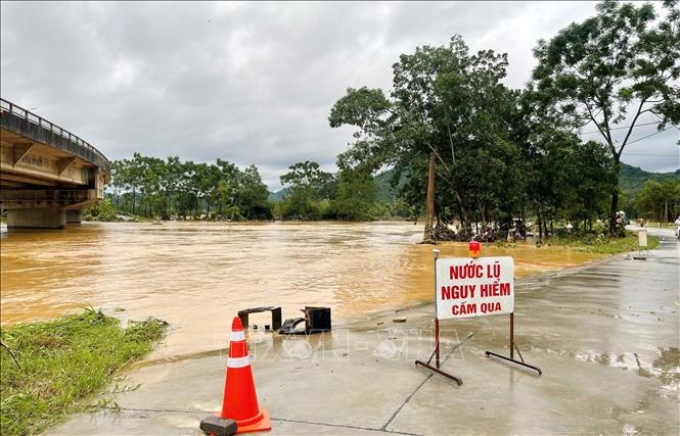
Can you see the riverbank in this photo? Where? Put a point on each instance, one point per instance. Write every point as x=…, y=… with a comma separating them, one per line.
x=48, y=368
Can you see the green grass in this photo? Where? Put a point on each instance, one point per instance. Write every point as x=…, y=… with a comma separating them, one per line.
x=58, y=364
x=658, y=225
x=604, y=244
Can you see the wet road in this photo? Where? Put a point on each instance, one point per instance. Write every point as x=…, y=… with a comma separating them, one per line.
x=622, y=314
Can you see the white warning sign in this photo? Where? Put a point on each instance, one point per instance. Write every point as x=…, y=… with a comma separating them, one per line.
x=474, y=287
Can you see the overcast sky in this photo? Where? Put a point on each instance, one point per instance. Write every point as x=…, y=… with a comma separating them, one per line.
x=251, y=83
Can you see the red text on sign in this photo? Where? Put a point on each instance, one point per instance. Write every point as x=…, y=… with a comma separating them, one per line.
x=469, y=271
x=494, y=289
x=464, y=309
x=454, y=292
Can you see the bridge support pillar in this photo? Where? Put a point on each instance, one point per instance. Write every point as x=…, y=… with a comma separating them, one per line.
x=73, y=216
x=36, y=219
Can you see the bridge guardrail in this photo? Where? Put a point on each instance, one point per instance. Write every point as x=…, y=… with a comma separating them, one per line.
x=53, y=128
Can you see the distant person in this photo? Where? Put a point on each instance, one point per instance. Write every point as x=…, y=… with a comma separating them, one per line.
x=641, y=222
x=569, y=227
x=677, y=227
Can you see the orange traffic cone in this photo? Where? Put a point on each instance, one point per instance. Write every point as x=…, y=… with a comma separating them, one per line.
x=240, y=398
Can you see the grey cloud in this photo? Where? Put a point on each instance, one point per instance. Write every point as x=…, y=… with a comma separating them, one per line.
x=249, y=82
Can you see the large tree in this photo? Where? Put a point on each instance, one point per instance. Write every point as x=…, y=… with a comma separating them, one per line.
x=445, y=102
x=356, y=194
x=308, y=185
x=610, y=70
x=187, y=189
x=128, y=176
x=659, y=201
x=251, y=195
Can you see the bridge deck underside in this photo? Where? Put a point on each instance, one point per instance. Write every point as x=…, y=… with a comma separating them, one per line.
x=36, y=176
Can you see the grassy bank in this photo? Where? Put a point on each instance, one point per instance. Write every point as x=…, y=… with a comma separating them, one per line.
x=604, y=244
x=57, y=364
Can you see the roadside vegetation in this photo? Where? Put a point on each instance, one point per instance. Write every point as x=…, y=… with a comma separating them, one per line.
x=50, y=369
x=601, y=244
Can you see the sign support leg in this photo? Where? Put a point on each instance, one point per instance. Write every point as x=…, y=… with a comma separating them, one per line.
x=512, y=348
x=437, y=360
x=512, y=334
x=436, y=341
x=435, y=255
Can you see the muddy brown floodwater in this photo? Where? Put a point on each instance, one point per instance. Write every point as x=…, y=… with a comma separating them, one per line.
x=197, y=276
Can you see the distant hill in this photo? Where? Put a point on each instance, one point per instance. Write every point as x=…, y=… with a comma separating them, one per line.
x=631, y=181
x=633, y=178
x=385, y=193
x=278, y=196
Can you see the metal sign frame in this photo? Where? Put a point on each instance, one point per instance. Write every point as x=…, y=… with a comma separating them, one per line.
x=436, y=352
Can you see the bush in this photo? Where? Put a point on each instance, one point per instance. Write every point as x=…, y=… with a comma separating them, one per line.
x=105, y=211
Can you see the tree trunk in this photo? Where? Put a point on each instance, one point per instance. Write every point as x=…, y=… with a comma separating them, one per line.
x=615, y=198
x=134, y=194
x=464, y=217
x=429, y=218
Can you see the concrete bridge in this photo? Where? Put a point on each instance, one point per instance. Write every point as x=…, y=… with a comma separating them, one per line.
x=47, y=174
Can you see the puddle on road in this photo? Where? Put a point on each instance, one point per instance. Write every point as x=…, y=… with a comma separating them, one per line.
x=666, y=367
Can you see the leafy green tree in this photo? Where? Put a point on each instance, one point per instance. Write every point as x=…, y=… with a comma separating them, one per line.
x=251, y=196
x=592, y=178
x=226, y=186
x=308, y=186
x=128, y=176
x=355, y=195
x=151, y=185
x=308, y=176
x=547, y=154
x=104, y=211
x=190, y=190
x=374, y=115
x=187, y=189
x=448, y=102
x=202, y=184
x=610, y=70
x=659, y=201
x=171, y=184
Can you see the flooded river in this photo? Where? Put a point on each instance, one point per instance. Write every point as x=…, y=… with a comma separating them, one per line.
x=197, y=276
